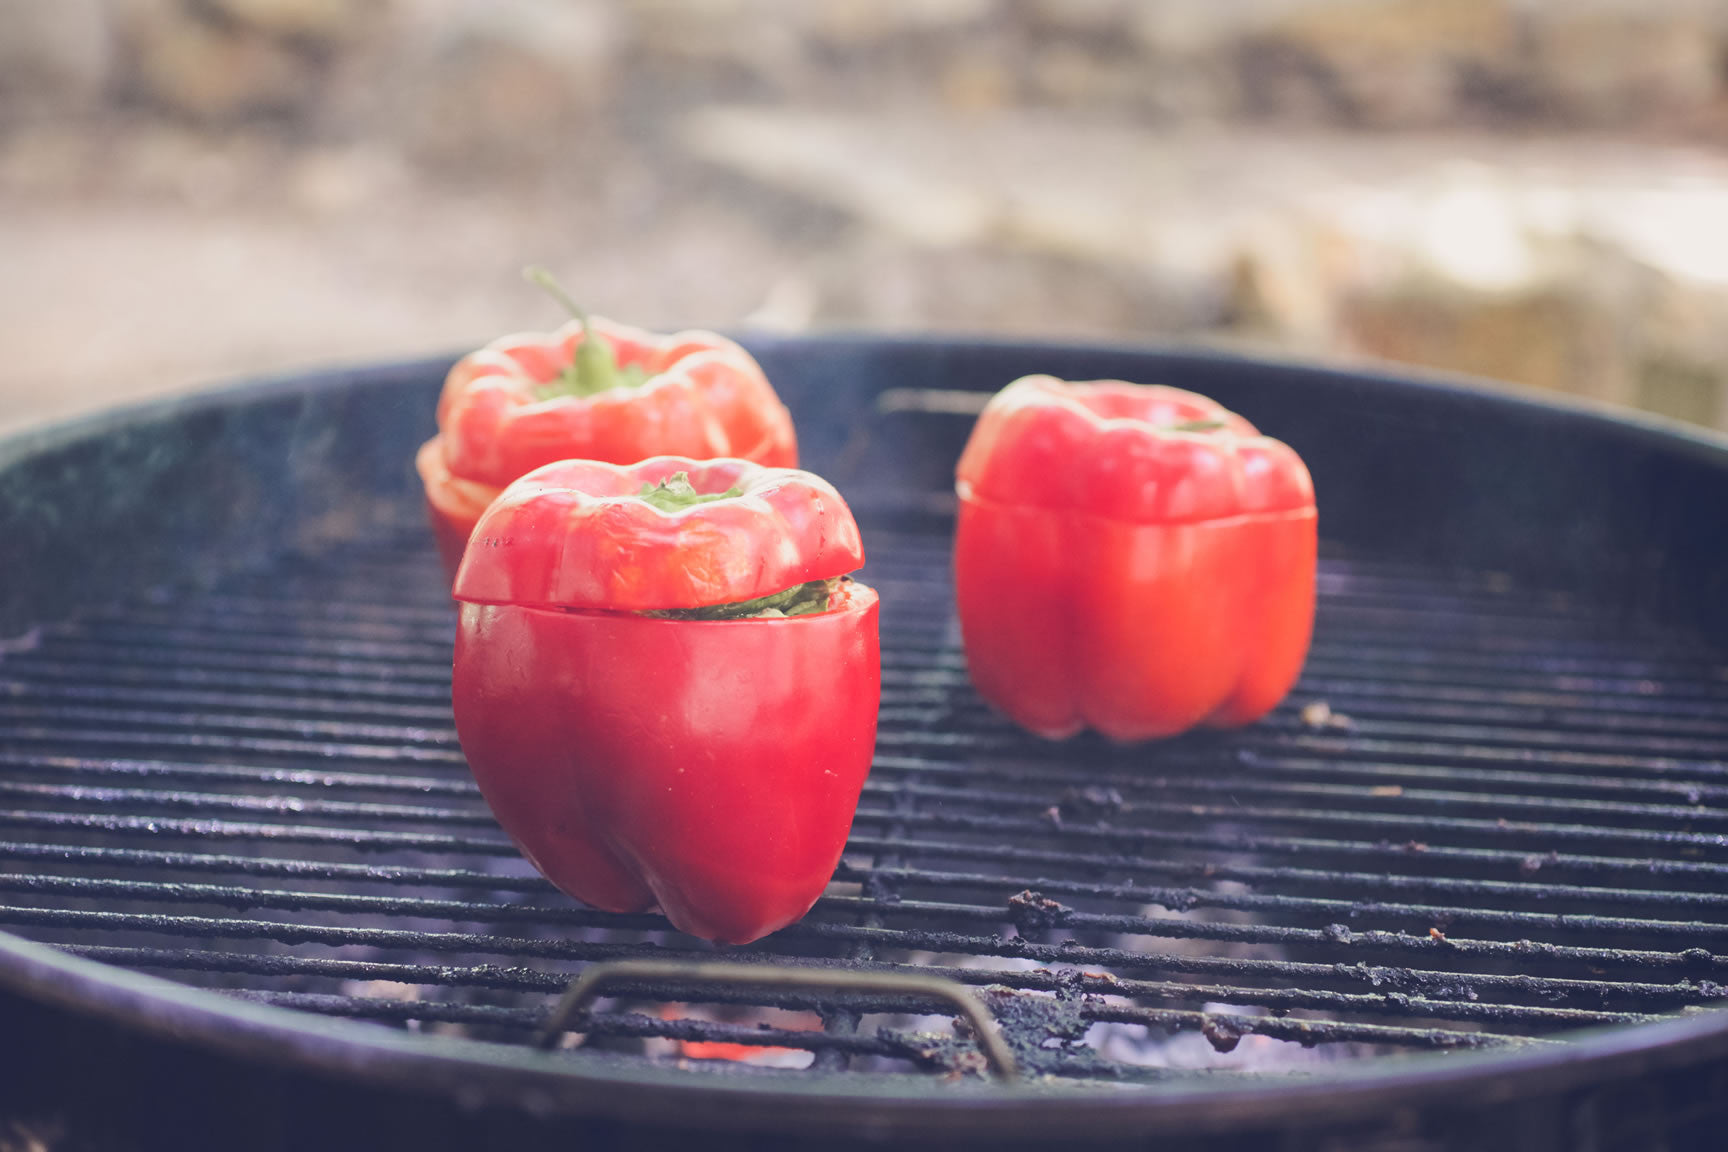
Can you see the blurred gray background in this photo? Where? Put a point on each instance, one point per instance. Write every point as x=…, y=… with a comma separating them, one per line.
x=1537, y=190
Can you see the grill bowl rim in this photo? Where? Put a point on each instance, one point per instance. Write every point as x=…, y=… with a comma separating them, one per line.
x=485, y=1074
x=481, y=1074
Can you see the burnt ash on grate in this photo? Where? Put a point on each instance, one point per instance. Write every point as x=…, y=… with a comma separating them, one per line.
x=1483, y=819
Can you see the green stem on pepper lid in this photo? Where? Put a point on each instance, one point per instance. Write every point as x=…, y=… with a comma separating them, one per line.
x=595, y=367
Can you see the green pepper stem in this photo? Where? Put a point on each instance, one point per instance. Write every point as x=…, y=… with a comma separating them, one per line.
x=536, y=274
x=593, y=368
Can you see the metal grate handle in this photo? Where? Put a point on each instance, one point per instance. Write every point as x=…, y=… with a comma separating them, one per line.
x=589, y=983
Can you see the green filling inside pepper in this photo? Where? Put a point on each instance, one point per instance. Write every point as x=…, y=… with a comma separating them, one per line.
x=676, y=493
x=799, y=600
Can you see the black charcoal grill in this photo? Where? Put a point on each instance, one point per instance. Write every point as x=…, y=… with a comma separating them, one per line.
x=1467, y=888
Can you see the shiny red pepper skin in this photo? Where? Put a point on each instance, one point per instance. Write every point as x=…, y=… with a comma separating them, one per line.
x=710, y=767
x=705, y=397
x=1115, y=571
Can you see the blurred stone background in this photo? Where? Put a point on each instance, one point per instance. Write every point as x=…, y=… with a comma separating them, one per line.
x=1535, y=190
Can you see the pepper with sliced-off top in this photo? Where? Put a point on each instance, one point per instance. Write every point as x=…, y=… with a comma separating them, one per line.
x=1134, y=559
x=666, y=684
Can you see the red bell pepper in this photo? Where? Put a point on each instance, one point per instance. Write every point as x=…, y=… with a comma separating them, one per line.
x=594, y=390
x=1135, y=559
x=640, y=729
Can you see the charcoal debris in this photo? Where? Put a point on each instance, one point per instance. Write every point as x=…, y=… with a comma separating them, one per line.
x=1032, y=910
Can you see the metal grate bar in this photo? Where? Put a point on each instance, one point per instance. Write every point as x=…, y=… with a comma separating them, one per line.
x=1407, y=853
x=1687, y=844
x=246, y=617
x=330, y=739
x=182, y=700
x=62, y=767
x=1391, y=1002
x=1519, y=831
x=1374, y=801
x=1177, y=900
x=1516, y=644
x=211, y=742
x=214, y=830
x=1475, y=667
x=1641, y=747
x=921, y=732
x=1333, y=938
x=151, y=798
x=1649, y=736
x=1394, y=985
x=122, y=637
x=1531, y=892
x=26, y=670
x=1489, y=672
x=149, y=721
x=1546, y=895
x=380, y=670
x=1573, y=712
x=1380, y=801
x=1186, y=766
x=1590, y=699
x=1374, y=777
x=154, y=860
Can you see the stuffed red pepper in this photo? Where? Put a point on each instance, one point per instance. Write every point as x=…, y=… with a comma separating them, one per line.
x=666, y=684
x=1130, y=558
x=594, y=390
